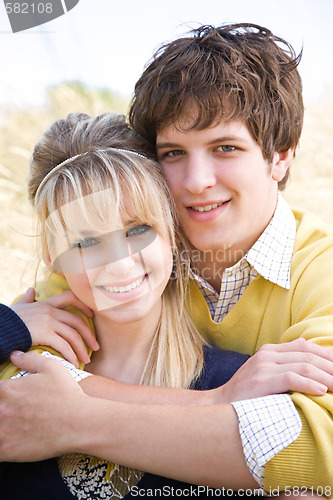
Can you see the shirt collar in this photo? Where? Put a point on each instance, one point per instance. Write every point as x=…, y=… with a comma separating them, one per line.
x=272, y=252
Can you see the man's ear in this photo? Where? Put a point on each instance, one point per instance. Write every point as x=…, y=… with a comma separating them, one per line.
x=281, y=163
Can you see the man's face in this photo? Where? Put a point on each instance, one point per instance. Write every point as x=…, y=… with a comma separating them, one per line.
x=225, y=191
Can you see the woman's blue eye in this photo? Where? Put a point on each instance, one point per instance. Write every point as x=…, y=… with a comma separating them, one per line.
x=86, y=243
x=138, y=230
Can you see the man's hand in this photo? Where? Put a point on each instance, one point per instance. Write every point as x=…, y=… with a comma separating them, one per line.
x=300, y=366
x=38, y=413
x=50, y=325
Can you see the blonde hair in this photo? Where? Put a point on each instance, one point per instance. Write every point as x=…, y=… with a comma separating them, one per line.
x=137, y=186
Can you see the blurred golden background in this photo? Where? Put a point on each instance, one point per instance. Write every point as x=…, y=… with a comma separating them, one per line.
x=311, y=184
x=19, y=131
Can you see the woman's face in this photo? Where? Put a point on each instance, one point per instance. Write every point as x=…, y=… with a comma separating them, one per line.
x=121, y=267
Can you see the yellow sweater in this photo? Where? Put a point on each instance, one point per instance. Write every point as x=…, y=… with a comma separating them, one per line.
x=267, y=313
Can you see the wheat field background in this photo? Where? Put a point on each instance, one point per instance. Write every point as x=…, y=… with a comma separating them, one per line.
x=311, y=184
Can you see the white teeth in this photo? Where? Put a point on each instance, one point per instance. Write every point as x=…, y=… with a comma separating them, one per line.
x=207, y=208
x=123, y=289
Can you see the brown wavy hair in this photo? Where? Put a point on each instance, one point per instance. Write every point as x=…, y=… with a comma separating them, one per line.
x=232, y=72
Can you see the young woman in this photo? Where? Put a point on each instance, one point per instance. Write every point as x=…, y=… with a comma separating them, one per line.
x=107, y=226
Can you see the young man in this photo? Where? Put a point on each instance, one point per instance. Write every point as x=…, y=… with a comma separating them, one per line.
x=226, y=114
x=225, y=110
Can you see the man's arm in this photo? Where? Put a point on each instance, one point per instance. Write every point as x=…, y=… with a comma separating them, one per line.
x=181, y=442
x=274, y=369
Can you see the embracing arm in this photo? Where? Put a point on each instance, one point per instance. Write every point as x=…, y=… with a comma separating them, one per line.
x=173, y=441
x=274, y=369
x=180, y=442
x=199, y=444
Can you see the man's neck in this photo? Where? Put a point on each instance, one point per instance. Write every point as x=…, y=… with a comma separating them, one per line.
x=211, y=265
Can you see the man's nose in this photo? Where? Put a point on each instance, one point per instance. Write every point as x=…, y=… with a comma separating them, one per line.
x=199, y=174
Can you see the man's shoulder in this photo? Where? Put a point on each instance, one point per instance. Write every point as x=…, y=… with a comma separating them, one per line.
x=312, y=232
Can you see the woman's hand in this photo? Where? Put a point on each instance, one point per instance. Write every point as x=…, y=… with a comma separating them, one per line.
x=50, y=325
x=300, y=366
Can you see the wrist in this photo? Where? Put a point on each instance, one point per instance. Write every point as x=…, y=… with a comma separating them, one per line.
x=93, y=421
x=218, y=396
x=208, y=397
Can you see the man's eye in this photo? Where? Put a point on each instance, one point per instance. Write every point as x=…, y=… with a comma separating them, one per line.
x=86, y=243
x=173, y=153
x=226, y=148
x=138, y=230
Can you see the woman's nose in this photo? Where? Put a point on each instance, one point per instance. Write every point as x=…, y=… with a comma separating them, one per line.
x=120, y=268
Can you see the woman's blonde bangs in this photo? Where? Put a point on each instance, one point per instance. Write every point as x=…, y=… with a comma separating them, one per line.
x=117, y=185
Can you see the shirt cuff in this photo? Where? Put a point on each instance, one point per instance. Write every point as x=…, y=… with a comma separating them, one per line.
x=267, y=426
x=77, y=374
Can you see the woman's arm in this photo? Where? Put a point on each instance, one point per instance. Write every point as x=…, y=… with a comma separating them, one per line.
x=13, y=333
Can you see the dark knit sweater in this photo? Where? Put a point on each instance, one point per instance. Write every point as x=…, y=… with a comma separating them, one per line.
x=14, y=335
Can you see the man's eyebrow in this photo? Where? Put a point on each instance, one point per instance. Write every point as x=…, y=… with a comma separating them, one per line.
x=228, y=138
x=161, y=145
x=225, y=138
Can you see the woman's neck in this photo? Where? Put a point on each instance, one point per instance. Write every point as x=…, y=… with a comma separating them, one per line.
x=124, y=347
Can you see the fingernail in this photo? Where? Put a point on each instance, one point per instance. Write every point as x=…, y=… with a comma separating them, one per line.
x=17, y=353
x=322, y=388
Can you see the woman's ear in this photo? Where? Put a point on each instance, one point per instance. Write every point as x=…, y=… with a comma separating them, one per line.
x=47, y=260
x=281, y=163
